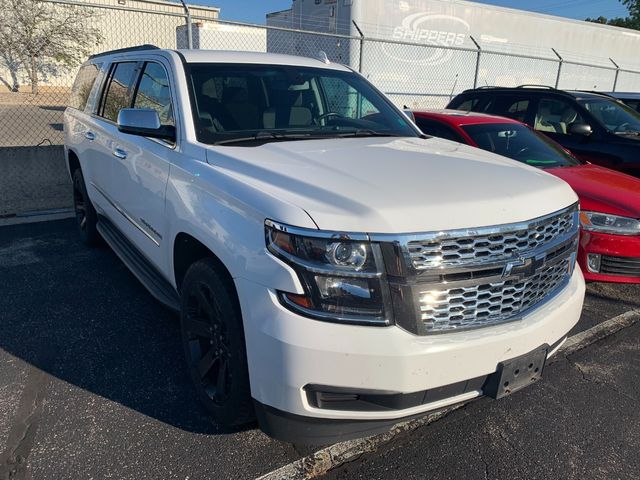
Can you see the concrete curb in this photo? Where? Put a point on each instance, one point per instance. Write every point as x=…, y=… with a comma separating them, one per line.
x=34, y=217
x=333, y=456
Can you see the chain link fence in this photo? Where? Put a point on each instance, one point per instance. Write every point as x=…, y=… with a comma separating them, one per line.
x=416, y=75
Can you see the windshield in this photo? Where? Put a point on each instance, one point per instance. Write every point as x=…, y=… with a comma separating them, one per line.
x=520, y=143
x=614, y=116
x=245, y=103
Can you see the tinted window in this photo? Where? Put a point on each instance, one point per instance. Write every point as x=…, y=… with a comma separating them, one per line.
x=520, y=143
x=118, y=91
x=518, y=110
x=154, y=92
x=468, y=105
x=236, y=102
x=83, y=84
x=437, y=129
x=556, y=116
x=614, y=116
x=635, y=104
x=512, y=106
x=471, y=104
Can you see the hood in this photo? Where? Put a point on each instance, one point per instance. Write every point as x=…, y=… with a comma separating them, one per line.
x=394, y=185
x=603, y=190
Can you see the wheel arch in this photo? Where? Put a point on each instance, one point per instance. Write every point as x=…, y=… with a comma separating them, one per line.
x=187, y=250
x=73, y=162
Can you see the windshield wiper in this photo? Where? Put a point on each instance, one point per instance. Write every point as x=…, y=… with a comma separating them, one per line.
x=628, y=132
x=365, y=132
x=267, y=135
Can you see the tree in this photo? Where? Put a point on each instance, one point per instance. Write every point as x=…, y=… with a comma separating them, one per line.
x=39, y=36
x=632, y=21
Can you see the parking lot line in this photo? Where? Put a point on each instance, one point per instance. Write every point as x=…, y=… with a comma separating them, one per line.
x=330, y=457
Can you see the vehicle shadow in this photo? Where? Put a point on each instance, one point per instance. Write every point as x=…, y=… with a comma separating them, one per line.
x=81, y=316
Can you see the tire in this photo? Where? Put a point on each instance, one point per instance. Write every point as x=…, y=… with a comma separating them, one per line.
x=214, y=347
x=86, y=216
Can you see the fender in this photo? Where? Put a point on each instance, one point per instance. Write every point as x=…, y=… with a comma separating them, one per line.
x=204, y=203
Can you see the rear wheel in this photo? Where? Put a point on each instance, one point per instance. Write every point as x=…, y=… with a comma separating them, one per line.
x=213, y=341
x=86, y=216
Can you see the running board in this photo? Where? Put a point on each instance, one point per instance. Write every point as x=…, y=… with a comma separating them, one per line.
x=144, y=271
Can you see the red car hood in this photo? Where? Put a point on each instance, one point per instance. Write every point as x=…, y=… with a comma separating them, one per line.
x=603, y=190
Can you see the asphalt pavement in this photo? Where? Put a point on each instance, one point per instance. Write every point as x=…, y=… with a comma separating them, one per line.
x=93, y=385
x=582, y=422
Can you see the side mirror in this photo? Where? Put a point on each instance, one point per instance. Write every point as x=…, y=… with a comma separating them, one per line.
x=580, y=129
x=144, y=122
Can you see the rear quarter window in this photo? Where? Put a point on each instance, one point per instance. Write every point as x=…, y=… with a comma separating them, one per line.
x=83, y=85
x=479, y=103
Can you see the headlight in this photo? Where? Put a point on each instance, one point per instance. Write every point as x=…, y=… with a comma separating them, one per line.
x=605, y=223
x=342, y=275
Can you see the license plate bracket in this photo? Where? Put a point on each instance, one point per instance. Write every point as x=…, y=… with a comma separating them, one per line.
x=516, y=373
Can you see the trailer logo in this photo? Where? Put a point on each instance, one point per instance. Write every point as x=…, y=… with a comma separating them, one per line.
x=431, y=29
x=419, y=28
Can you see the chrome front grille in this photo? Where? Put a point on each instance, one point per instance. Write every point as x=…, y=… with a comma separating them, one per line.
x=498, y=243
x=488, y=303
x=459, y=280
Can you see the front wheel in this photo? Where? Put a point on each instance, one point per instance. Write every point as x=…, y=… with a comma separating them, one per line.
x=213, y=341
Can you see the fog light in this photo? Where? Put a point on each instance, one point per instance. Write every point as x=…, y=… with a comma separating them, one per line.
x=593, y=262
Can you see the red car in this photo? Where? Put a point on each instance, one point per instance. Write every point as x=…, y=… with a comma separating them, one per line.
x=609, y=200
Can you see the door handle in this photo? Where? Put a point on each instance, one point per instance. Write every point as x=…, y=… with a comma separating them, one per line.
x=120, y=153
x=90, y=136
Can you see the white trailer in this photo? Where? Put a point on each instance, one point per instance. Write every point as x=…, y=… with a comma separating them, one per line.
x=529, y=46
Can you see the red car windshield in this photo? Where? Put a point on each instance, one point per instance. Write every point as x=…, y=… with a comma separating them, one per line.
x=520, y=143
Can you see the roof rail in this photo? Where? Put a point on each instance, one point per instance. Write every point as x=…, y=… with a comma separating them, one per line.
x=123, y=50
x=597, y=93
x=532, y=85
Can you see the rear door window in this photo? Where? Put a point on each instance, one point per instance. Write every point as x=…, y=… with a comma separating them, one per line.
x=555, y=115
x=83, y=85
x=512, y=106
x=118, y=91
x=518, y=110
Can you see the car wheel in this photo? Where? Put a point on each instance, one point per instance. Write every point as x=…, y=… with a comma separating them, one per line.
x=213, y=340
x=86, y=216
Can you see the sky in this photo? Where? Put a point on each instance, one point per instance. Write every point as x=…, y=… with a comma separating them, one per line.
x=254, y=11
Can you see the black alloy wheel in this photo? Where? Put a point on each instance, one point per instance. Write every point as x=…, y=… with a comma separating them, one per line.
x=208, y=343
x=213, y=341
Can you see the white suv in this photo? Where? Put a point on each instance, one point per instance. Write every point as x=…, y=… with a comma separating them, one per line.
x=335, y=270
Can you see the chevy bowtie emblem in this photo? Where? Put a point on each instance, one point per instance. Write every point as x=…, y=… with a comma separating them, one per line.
x=524, y=267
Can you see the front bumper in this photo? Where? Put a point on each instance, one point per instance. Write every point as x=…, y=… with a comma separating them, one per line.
x=612, y=246
x=287, y=352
